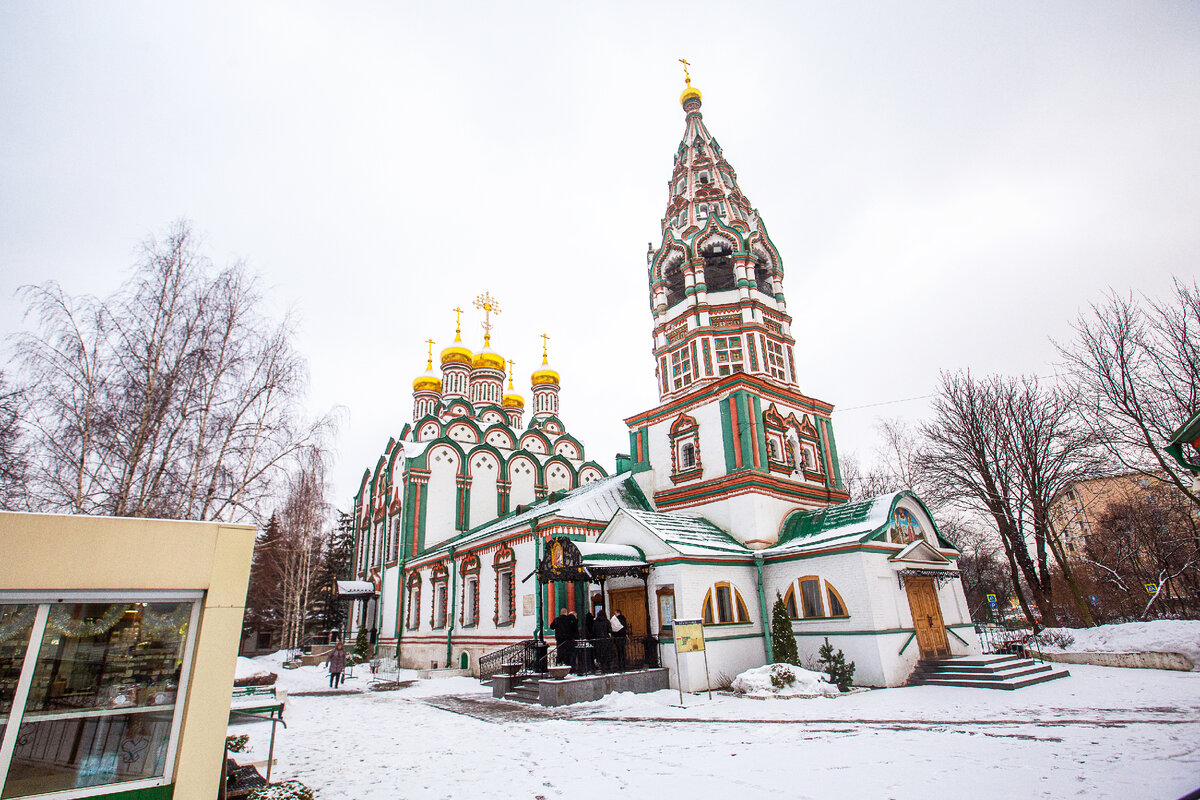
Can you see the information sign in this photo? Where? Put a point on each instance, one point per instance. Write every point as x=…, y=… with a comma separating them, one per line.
x=1151, y=588
x=689, y=635
x=992, y=599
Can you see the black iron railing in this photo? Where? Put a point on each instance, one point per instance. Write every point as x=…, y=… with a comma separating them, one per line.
x=492, y=663
x=584, y=656
x=610, y=654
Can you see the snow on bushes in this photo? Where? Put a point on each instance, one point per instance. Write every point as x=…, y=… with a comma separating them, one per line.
x=783, y=680
x=1156, y=636
x=251, y=673
x=285, y=790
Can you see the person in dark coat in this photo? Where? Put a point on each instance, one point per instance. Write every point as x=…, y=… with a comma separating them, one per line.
x=337, y=665
x=602, y=634
x=620, y=633
x=566, y=631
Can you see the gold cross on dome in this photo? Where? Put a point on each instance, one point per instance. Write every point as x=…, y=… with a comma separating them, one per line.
x=490, y=305
x=512, y=365
x=429, y=364
x=687, y=78
x=458, y=312
x=545, y=339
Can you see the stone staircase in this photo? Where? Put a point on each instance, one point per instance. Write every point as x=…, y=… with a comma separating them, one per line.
x=984, y=672
x=526, y=691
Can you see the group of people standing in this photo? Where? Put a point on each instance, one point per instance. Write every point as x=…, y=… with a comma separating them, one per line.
x=607, y=635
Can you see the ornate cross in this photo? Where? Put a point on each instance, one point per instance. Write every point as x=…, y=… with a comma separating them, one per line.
x=458, y=312
x=490, y=305
x=429, y=364
x=511, y=366
x=687, y=78
x=545, y=339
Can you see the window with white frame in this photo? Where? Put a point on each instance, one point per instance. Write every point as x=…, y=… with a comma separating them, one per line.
x=439, y=604
x=723, y=605
x=810, y=602
x=413, y=603
x=92, y=690
x=504, y=564
x=729, y=354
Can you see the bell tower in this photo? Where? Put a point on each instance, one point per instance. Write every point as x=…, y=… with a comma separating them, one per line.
x=716, y=278
x=732, y=438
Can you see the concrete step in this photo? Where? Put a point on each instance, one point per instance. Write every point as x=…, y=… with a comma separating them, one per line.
x=1008, y=669
x=969, y=662
x=1007, y=675
x=1008, y=684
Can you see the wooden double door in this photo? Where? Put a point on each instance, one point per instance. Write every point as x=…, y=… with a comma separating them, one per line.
x=632, y=603
x=927, y=617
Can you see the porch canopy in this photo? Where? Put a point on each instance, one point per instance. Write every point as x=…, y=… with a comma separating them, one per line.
x=354, y=589
x=567, y=560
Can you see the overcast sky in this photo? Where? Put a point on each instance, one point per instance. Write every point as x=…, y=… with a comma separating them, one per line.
x=948, y=183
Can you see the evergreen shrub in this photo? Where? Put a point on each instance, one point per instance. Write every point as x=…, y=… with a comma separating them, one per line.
x=783, y=640
x=834, y=665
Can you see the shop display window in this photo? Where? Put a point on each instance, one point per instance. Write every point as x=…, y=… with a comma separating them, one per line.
x=89, y=691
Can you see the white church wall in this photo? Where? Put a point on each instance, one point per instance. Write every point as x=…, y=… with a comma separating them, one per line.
x=485, y=471
x=441, y=495
x=522, y=475
x=387, y=600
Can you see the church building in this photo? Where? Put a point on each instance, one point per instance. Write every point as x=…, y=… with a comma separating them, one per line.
x=731, y=494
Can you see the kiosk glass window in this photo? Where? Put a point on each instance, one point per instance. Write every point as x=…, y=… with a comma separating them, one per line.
x=94, y=701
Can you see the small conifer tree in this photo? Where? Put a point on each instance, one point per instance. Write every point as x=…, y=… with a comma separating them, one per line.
x=783, y=641
x=835, y=666
x=362, y=646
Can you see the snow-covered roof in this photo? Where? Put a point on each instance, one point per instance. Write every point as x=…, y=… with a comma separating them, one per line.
x=354, y=588
x=841, y=524
x=609, y=555
x=688, y=534
x=597, y=501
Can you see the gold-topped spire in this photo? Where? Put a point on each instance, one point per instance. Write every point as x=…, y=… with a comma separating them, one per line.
x=428, y=382
x=456, y=353
x=545, y=374
x=458, y=312
x=512, y=365
x=689, y=93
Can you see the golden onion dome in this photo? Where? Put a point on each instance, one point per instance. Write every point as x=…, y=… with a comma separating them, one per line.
x=427, y=382
x=544, y=376
x=690, y=93
x=457, y=354
x=513, y=401
x=487, y=358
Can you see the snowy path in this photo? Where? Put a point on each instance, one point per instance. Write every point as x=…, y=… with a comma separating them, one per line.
x=1094, y=735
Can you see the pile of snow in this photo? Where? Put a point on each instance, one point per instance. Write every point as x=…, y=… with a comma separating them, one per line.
x=783, y=680
x=1157, y=636
x=248, y=668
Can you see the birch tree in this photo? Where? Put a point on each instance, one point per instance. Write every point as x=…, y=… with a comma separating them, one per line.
x=175, y=397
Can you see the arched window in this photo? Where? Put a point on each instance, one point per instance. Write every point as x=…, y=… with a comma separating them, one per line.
x=723, y=605
x=810, y=603
x=504, y=564
x=718, y=268
x=413, y=617
x=675, y=284
x=439, y=583
x=469, y=616
x=762, y=276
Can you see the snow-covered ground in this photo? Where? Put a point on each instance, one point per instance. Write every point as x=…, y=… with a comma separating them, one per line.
x=1156, y=636
x=1103, y=732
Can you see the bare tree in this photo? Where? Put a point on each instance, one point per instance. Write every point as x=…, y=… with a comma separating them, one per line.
x=1136, y=362
x=13, y=452
x=896, y=459
x=175, y=397
x=304, y=524
x=1145, y=548
x=1004, y=447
